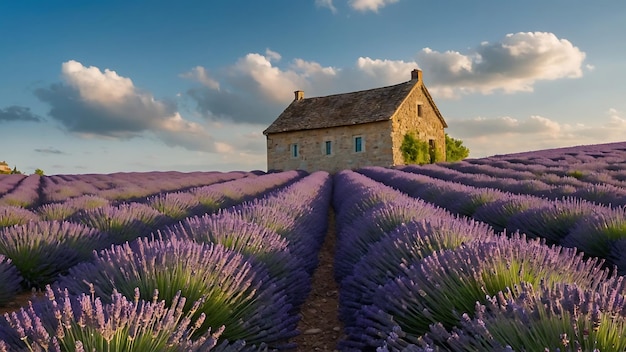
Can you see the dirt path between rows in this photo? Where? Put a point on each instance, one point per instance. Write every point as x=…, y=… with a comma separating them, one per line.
x=320, y=328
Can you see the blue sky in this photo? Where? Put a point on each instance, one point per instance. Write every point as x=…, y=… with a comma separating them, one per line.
x=109, y=86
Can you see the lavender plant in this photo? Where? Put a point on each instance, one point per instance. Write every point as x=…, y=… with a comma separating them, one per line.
x=355, y=241
x=447, y=284
x=84, y=323
x=124, y=222
x=402, y=248
x=256, y=243
x=553, y=221
x=175, y=205
x=10, y=279
x=597, y=235
x=558, y=317
x=11, y=215
x=498, y=213
x=64, y=210
x=229, y=284
x=45, y=249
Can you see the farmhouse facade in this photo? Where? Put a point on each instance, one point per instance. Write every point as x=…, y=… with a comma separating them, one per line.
x=356, y=129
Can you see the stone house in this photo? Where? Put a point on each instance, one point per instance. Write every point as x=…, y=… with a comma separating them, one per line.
x=357, y=129
x=4, y=168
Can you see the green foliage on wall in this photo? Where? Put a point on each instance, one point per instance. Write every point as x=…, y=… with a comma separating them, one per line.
x=455, y=150
x=414, y=151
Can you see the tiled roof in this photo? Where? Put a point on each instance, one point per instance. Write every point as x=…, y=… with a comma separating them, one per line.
x=345, y=109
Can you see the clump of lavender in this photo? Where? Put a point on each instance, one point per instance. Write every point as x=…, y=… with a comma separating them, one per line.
x=447, y=284
x=230, y=285
x=558, y=317
x=355, y=241
x=43, y=250
x=254, y=242
x=475, y=199
x=84, y=323
x=64, y=210
x=176, y=205
x=553, y=221
x=12, y=215
x=498, y=213
x=124, y=222
x=402, y=248
x=597, y=235
x=10, y=279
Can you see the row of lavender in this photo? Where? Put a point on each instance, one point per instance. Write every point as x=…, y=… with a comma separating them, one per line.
x=247, y=268
x=49, y=240
x=553, y=173
x=34, y=190
x=594, y=229
x=558, y=187
x=415, y=277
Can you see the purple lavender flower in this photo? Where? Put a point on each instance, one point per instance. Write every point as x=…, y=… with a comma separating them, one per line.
x=176, y=205
x=63, y=211
x=447, y=284
x=10, y=279
x=124, y=222
x=42, y=250
x=554, y=220
x=84, y=322
x=402, y=248
x=234, y=291
x=554, y=317
x=12, y=215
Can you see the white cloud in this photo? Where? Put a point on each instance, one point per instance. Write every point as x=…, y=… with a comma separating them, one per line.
x=201, y=75
x=501, y=135
x=514, y=64
x=327, y=4
x=370, y=5
x=95, y=103
x=258, y=86
x=96, y=86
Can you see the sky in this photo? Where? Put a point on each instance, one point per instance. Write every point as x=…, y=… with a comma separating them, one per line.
x=124, y=86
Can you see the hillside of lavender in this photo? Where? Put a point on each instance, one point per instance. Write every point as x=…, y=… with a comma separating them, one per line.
x=517, y=252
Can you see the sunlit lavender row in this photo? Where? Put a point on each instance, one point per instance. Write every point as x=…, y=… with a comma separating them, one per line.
x=431, y=281
x=594, y=229
x=564, y=170
x=548, y=185
x=241, y=273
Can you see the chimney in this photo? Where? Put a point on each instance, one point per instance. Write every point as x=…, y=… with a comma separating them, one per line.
x=299, y=94
x=416, y=74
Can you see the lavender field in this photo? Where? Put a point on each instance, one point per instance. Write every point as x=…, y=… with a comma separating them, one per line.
x=520, y=252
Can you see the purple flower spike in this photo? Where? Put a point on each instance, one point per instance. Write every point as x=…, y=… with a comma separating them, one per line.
x=45, y=249
x=10, y=279
x=10, y=215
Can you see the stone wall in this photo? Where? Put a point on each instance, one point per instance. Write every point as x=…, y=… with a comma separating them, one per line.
x=377, y=148
x=427, y=127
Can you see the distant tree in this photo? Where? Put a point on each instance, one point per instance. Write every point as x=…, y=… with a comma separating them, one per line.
x=39, y=172
x=455, y=150
x=16, y=171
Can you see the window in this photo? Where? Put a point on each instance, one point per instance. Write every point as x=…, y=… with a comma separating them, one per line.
x=419, y=110
x=358, y=144
x=295, y=152
x=328, y=147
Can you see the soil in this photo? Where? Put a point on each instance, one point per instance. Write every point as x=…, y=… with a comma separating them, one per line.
x=319, y=326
